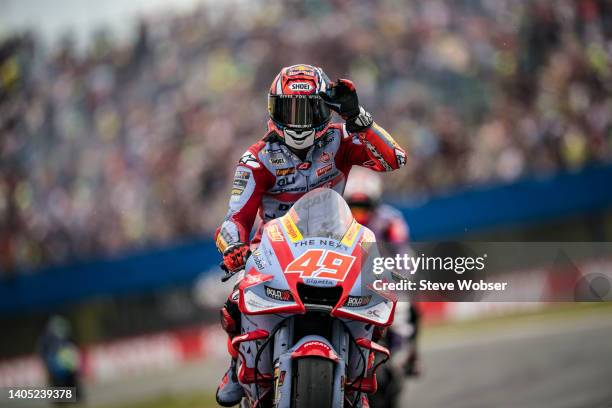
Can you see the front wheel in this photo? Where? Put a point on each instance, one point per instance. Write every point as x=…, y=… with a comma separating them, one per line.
x=313, y=382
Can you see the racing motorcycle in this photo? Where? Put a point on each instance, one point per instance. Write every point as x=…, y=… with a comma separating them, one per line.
x=310, y=313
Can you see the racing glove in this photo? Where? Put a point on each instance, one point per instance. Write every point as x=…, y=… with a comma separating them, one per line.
x=341, y=97
x=235, y=257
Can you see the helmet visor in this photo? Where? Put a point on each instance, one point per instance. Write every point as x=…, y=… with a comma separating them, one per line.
x=298, y=111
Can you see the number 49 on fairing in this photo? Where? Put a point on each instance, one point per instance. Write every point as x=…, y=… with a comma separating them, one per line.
x=324, y=264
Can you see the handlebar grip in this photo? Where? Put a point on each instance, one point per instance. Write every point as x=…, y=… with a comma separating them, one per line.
x=228, y=273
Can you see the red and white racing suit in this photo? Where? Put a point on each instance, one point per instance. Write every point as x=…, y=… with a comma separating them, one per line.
x=270, y=178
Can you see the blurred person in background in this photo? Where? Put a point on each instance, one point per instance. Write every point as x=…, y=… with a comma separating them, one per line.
x=302, y=150
x=363, y=194
x=60, y=355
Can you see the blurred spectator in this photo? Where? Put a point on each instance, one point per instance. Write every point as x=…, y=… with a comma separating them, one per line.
x=60, y=355
x=130, y=145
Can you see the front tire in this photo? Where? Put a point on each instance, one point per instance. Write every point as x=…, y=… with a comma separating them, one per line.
x=313, y=382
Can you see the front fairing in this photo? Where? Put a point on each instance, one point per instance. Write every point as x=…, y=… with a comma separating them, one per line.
x=316, y=251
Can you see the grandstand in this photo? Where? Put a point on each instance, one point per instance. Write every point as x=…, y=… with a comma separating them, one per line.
x=124, y=145
x=117, y=152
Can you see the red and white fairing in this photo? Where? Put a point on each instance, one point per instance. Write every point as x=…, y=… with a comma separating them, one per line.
x=315, y=260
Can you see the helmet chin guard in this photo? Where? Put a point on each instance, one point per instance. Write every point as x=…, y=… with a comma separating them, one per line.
x=299, y=139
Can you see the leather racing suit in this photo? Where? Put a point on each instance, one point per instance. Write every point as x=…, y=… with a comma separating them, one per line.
x=270, y=178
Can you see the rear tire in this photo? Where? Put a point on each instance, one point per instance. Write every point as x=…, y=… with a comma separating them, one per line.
x=313, y=383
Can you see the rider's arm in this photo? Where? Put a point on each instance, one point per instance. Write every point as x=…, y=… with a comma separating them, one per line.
x=373, y=148
x=364, y=143
x=251, y=180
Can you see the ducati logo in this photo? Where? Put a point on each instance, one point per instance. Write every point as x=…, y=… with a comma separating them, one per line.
x=252, y=278
x=304, y=166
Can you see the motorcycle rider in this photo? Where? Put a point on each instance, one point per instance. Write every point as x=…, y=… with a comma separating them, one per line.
x=302, y=150
x=363, y=195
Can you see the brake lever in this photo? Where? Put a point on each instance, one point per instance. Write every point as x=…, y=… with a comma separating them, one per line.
x=228, y=273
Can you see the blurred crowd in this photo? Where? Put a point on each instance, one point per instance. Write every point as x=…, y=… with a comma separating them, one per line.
x=132, y=144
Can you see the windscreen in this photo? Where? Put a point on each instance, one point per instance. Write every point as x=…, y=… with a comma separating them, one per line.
x=322, y=213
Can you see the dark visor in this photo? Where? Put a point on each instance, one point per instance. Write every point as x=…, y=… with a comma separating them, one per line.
x=298, y=111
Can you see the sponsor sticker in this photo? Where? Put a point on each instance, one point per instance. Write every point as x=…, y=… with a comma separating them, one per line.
x=304, y=166
x=325, y=157
x=283, y=295
x=278, y=160
x=238, y=187
x=368, y=236
x=281, y=379
x=300, y=70
x=319, y=282
x=351, y=234
x=325, y=140
x=258, y=261
x=357, y=301
x=253, y=278
x=369, y=163
x=400, y=156
x=248, y=159
x=274, y=233
x=240, y=183
x=285, y=181
x=314, y=343
x=378, y=156
x=292, y=230
x=384, y=134
x=321, y=171
x=242, y=175
x=300, y=86
x=286, y=171
x=221, y=243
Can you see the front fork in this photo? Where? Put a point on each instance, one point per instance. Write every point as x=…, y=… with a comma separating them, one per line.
x=341, y=350
x=344, y=352
x=309, y=346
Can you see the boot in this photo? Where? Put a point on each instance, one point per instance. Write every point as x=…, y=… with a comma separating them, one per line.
x=229, y=392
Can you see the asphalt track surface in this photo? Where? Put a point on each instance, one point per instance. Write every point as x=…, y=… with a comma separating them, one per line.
x=536, y=361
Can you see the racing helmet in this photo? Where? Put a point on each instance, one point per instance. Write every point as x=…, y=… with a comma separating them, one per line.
x=297, y=112
x=362, y=193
